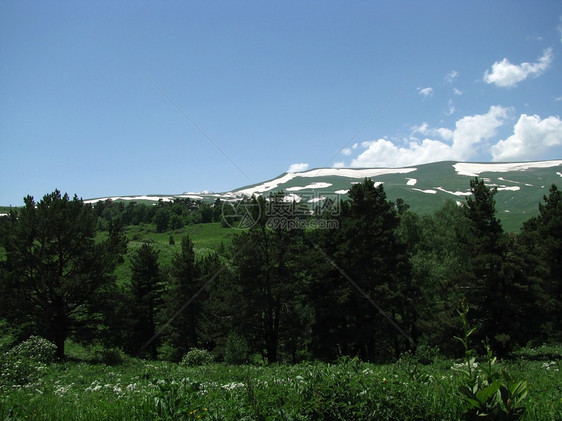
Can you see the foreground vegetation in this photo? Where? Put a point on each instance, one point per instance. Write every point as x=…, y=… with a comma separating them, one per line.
x=329, y=293
x=415, y=387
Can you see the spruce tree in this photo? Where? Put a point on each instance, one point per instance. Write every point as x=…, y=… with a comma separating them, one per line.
x=55, y=272
x=183, y=285
x=489, y=277
x=367, y=249
x=541, y=249
x=146, y=291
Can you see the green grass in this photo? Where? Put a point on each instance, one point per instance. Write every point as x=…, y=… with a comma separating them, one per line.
x=207, y=238
x=351, y=389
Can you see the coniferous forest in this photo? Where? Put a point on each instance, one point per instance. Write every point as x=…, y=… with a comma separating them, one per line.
x=366, y=280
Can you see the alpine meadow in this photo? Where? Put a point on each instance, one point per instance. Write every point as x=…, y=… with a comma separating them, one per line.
x=350, y=307
x=281, y=210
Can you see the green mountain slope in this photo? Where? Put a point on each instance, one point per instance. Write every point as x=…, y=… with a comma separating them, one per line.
x=427, y=187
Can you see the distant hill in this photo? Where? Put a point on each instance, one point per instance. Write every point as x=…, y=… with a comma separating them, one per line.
x=521, y=186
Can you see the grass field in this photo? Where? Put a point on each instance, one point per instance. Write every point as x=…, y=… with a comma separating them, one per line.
x=207, y=238
x=349, y=390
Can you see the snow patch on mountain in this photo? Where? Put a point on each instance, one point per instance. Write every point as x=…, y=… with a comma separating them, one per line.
x=319, y=185
x=456, y=193
x=430, y=191
x=475, y=169
x=323, y=172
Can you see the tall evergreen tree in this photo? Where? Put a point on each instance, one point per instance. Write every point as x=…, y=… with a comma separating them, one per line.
x=183, y=285
x=55, y=271
x=268, y=277
x=146, y=291
x=541, y=242
x=490, y=276
x=436, y=256
x=366, y=248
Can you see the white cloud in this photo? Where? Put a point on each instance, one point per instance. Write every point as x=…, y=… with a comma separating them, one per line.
x=442, y=132
x=507, y=75
x=346, y=151
x=457, y=91
x=451, y=76
x=298, y=167
x=451, y=108
x=559, y=28
x=425, y=91
x=471, y=130
x=468, y=134
x=339, y=164
x=558, y=98
x=383, y=153
x=530, y=139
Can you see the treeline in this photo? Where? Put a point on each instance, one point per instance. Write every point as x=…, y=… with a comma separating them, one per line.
x=165, y=215
x=380, y=281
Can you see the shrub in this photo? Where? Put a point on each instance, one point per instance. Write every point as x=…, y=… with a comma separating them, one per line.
x=196, y=357
x=236, y=349
x=37, y=349
x=109, y=356
x=23, y=363
x=18, y=371
x=487, y=391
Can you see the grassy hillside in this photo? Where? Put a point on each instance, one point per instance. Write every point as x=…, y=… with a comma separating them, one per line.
x=431, y=185
x=207, y=238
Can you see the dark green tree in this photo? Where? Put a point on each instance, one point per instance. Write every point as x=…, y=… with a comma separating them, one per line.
x=268, y=275
x=162, y=219
x=146, y=299
x=220, y=302
x=54, y=270
x=184, y=283
x=541, y=249
x=437, y=258
x=367, y=251
x=490, y=278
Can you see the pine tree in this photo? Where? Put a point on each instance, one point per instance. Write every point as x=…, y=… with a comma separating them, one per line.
x=489, y=278
x=146, y=291
x=184, y=284
x=55, y=271
x=268, y=277
x=541, y=243
x=368, y=251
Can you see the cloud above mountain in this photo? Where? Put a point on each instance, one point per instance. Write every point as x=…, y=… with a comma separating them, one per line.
x=507, y=75
x=462, y=143
x=298, y=167
x=531, y=138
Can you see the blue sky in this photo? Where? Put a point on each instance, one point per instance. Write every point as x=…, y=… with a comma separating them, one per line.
x=120, y=98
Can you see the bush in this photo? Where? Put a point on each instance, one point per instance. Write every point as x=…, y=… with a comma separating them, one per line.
x=236, y=349
x=196, y=357
x=109, y=356
x=37, y=349
x=18, y=371
x=23, y=363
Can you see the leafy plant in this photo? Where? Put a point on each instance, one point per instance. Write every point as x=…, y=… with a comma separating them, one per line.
x=489, y=392
x=35, y=348
x=236, y=349
x=23, y=363
x=196, y=357
x=108, y=355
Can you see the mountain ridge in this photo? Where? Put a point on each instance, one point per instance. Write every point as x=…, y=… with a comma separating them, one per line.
x=425, y=188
